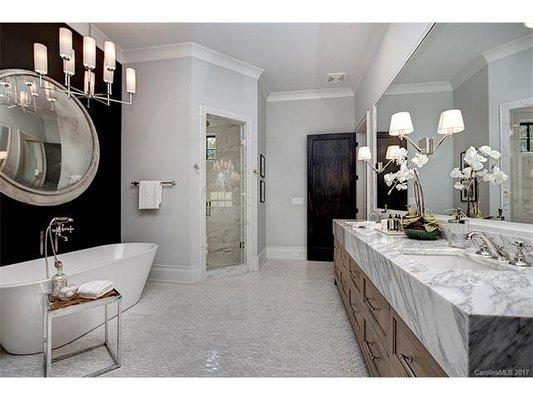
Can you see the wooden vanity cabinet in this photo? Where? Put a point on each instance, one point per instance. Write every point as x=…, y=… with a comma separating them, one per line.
x=389, y=347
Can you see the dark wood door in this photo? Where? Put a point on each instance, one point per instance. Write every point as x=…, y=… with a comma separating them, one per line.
x=397, y=200
x=331, y=183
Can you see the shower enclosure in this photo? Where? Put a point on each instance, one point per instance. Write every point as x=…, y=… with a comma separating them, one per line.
x=225, y=189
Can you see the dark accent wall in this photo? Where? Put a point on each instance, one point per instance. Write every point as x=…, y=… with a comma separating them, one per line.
x=96, y=212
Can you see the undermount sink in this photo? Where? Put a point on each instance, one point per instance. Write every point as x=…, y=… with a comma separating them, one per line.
x=447, y=261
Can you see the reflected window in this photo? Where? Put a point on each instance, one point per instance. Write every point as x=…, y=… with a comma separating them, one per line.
x=211, y=147
x=526, y=137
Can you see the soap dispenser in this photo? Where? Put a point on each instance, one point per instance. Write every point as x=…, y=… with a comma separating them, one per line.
x=456, y=228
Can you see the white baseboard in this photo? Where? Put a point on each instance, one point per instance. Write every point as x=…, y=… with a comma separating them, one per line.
x=292, y=253
x=175, y=273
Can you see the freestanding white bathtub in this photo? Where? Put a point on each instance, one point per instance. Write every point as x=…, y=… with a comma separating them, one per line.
x=22, y=287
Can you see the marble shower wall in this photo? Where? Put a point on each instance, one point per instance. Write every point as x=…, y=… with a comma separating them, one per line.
x=224, y=195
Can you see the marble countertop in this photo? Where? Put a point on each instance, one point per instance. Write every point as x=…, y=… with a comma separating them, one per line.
x=439, y=304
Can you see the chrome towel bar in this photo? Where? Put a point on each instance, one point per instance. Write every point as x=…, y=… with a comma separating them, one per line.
x=164, y=183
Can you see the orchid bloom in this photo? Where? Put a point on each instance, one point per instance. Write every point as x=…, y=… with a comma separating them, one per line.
x=475, y=160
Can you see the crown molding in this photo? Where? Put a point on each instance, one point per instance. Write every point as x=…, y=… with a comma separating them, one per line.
x=489, y=56
x=473, y=68
x=190, y=49
x=507, y=49
x=311, y=94
x=83, y=28
x=424, y=87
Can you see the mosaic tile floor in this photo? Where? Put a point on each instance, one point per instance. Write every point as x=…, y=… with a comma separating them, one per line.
x=287, y=320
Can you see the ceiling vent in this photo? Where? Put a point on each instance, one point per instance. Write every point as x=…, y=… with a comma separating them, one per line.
x=336, y=77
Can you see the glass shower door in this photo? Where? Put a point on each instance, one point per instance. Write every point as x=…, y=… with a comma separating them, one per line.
x=224, y=218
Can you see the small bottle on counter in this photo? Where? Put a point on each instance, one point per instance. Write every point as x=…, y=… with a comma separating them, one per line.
x=397, y=222
x=390, y=223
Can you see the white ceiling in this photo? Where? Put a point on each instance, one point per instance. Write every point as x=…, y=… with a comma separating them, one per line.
x=451, y=47
x=295, y=56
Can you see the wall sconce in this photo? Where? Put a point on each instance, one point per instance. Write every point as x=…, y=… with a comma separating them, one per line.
x=364, y=154
x=450, y=123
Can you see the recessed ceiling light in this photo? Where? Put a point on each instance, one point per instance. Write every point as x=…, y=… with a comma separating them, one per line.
x=336, y=77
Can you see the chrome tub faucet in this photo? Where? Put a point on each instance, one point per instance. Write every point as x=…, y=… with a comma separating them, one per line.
x=59, y=227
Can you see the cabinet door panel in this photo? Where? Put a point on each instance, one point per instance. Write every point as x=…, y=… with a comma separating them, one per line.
x=377, y=306
x=409, y=354
x=375, y=354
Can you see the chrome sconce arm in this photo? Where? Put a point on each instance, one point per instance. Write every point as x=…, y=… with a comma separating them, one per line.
x=379, y=168
x=428, y=148
x=450, y=123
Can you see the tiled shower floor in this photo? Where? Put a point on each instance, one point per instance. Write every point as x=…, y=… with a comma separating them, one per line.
x=286, y=320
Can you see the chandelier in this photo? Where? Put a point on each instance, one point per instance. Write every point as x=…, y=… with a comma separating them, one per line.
x=66, y=52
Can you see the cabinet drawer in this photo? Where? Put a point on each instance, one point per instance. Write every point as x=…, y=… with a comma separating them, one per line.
x=356, y=311
x=344, y=258
x=409, y=355
x=375, y=354
x=356, y=275
x=377, y=306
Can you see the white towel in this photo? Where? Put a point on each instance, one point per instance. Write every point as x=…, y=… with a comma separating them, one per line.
x=95, y=289
x=150, y=194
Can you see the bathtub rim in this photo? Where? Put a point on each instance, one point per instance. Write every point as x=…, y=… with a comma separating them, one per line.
x=152, y=247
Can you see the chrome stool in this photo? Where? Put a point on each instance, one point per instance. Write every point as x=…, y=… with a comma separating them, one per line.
x=57, y=308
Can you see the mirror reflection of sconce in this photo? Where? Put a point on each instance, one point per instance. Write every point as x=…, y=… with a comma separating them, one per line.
x=364, y=154
x=450, y=123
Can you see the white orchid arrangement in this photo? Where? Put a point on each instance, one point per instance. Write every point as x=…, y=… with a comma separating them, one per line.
x=407, y=172
x=477, y=170
x=400, y=178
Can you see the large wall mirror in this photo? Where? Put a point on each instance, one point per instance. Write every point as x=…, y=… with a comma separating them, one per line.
x=49, y=148
x=486, y=72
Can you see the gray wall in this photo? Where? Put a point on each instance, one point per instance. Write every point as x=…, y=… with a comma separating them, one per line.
x=156, y=145
x=161, y=139
x=288, y=124
x=472, y=98
x=425, y=109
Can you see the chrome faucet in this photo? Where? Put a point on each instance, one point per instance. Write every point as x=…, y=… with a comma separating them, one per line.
x=488, y=247
x=57, y=228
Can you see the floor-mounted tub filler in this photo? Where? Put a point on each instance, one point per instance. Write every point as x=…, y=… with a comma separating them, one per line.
x=22, y=287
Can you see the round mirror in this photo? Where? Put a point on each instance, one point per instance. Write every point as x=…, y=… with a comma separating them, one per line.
x=49, y=148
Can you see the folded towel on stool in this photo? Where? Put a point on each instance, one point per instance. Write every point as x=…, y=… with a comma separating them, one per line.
x=95, y=289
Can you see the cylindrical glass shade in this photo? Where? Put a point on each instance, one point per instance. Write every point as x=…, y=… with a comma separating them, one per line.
x=48, y=88
x=401, y=124
x=364, y=154
x=65, y=43
x=40, y=58
x=24, y=98
x=70, y=64
x=109, y=56
x=131, y=84
x=108, y=76
x=88, y=82
x=450, y=122
x=89, y=52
